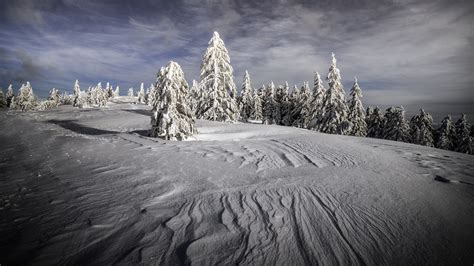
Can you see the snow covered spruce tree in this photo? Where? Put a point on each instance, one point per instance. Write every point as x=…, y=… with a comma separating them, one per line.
x=375, y=123
x=261, y=94
x=268, y=104
x=297, y=106
x=65, y=99
x=54, y=96
x=172, y=118
x=293, y=116
x=109, y=90
x=130, y=92
x=281, y=103
x=463, y=141
x=257, y=107
x=334, y=110
x=395, y=126
x=356, y=112
x=421, y=129
x=141, y=94
x=194, y=96
x=9, y=95
x=77, y=94
x=3, y=100
x=151, y=95
x=98, y=96
x=117, y=91
x=285, y=105
x=26, y=100
x=52, y=101
x=218, y=82
x=306, y=108
x=316, y=104
x=246, y=98
x=446, y=134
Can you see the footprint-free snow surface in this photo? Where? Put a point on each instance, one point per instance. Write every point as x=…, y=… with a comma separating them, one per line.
x=90, y=187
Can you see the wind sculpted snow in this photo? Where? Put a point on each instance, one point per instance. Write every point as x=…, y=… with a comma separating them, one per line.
x=90, y=187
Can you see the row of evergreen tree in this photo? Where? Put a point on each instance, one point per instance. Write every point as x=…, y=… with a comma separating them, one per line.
x=215, y=97
x=322, y=109
x=94, y=96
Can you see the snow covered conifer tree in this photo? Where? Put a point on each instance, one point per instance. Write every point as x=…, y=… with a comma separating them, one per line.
x=375, y=123
x=281, y=103
x=268, y=104
x=396, y=127
x=9, y=95
x=130, y=92
x=77, y=94
x=110, y=90
x=3, y=100
x=54, y=96
x=463, y=141
x=356, y=112
x=298, y=95
x=246, y=96
x=285, y=105
x=172, y=118
x=295, y=107
x=218, y=83
x=306, y=108
x=445, y=135
x=368, y=113
x=65, y=99
x=316, y=104
x=261, y=94
x=421, y=129
x=117, y=91
x=151, y=95
x=141, y=94
x=257, y=107
x=202, y=101
x=26, y=99
x=194, y=96
x=334, y=111
x=13, y=104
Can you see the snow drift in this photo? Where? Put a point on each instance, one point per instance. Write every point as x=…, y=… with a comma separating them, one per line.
x=90, y=187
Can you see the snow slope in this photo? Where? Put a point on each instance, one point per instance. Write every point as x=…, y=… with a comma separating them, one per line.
x=89, y=187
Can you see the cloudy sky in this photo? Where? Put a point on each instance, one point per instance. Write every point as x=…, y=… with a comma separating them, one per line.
x=410, y=53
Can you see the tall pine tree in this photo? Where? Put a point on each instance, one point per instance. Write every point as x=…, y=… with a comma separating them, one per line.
x=396, y=127
x=257, y=113
x=246, y=98
x=218, y=82
x=26, y=100
x=421, y=129
x=375, y=123
x=317, y=99
x=9, y=95
x=463, y=141
x=446, y=134
x=306, y=108
x=172, y=119
x=268, y=105
x=141, y=94
x=356, y=112
x=334, y=111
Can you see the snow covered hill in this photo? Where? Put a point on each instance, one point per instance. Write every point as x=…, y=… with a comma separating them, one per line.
x=89, y=187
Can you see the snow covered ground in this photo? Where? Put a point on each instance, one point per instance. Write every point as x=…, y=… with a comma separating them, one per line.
x=89, y=187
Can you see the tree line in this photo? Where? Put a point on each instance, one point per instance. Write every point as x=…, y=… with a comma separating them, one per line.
x=324, y=107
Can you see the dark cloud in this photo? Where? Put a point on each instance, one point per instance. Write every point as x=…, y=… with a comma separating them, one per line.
x=17, y=67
